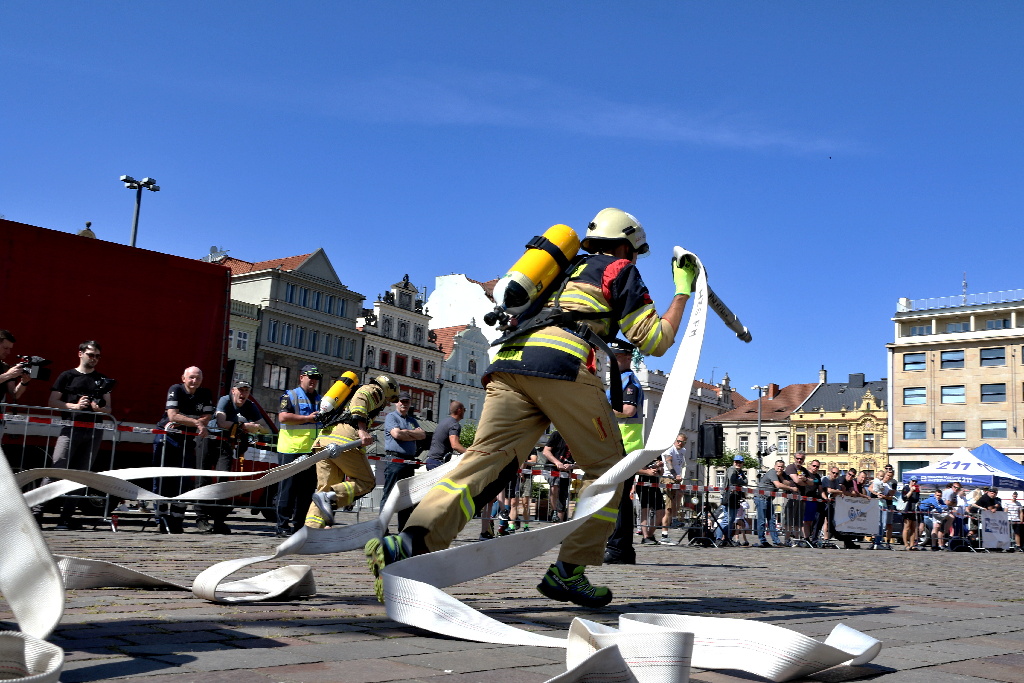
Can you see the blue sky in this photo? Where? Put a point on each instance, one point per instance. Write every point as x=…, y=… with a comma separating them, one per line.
x=823, y=159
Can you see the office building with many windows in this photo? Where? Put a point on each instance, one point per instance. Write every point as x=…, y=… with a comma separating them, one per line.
x=957, y=377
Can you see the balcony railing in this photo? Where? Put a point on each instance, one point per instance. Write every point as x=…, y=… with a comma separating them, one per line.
x=985, y=298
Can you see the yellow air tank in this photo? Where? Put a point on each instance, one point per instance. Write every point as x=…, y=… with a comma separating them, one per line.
x=339, y=392
x=545, y=259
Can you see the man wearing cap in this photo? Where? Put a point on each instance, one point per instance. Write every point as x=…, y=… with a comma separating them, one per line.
x=735, y=480
x=235, y=415
x=298, y=420
x=619, y=548
x=401, y=432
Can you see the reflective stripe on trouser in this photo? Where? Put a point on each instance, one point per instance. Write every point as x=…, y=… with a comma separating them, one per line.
x=330, y=474
x=517, y=409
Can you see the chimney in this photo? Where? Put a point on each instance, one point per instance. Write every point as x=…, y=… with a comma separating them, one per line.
x=823, y=375
x=773, y=391
x=856, y=380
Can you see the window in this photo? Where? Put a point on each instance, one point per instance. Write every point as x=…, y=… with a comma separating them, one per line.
x=913, y=361
x=844, y=443
x=314, y=301
x=430, y=370
x=954, y=394
x=300, y=337
x=822, y=445
x=993, y=429
x=472, y=366
x=369, y=356
x=329, y=303
x=762, y=444
x=996, y=356
x=998, y=324
x=290, y=293
x=783, y=444
x=954, y=430
x=744, y=444
x=272, y=331
x=337, y=348
x=869, y=443
x=915, y=430
x=231, y=338
x=952, y=359
x=400, y=364
x=303, y=297
x=913, y=396
x=405, y=300
x=242, y=341
x=385, y=359
x=340, y=306
x=801, y=443
x=313, y=339
x=993, y=393
x=275, y=376
x=350, y=349
x=327, y=344
x=417, y=367
x=920, y=330
x=958, y=327
x=286, y=334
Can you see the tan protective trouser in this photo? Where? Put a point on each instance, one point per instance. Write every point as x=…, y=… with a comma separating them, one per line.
x=330, y=474
x=517, y=409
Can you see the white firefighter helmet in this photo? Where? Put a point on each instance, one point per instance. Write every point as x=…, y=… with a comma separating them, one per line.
x=389, y=386
x=615, y=225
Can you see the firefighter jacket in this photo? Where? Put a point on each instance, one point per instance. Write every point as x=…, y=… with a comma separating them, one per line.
x=601, y=284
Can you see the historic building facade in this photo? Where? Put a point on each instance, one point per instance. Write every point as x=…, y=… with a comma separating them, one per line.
x=465, y=359
x=844, y=424
x=399, y=342
x=306, y=315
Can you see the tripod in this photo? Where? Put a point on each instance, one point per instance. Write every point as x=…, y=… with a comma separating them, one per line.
x=701, y=526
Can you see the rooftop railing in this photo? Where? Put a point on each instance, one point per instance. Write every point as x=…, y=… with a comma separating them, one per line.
x=960, y=300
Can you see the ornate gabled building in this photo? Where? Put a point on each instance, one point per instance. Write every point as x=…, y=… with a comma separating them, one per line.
x=465, y=359
x=399, y=342
x=844, y=424
x=306, y=315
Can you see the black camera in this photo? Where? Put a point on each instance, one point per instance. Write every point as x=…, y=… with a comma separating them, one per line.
x=102, y=388
x=36, y=365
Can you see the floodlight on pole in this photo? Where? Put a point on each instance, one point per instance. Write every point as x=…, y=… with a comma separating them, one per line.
x=760, y=456
x=138, y=186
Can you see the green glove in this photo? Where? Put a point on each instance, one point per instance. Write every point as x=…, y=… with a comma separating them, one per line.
x=684, y=273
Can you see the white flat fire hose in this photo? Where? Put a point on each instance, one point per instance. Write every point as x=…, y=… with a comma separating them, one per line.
x=34, y=585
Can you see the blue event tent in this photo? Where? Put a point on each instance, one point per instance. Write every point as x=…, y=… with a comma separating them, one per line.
x=975, y=468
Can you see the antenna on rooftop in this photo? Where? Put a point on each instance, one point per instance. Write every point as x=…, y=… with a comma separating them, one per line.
x=963, y=302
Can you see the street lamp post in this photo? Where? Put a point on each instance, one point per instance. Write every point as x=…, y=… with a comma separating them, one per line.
x=760, y=456
x=138, y=186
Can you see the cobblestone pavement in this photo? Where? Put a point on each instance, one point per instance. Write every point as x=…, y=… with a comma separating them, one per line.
x=942, y=616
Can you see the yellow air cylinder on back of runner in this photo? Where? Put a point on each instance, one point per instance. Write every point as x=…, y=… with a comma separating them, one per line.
x=339, y=392
x=536, y=269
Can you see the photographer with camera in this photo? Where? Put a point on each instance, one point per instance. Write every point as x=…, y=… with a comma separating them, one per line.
x=13, y=378
x=238, y=417
x=85, y=391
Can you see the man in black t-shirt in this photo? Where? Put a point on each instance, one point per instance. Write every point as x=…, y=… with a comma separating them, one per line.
x=236, y=415
x=188, y=410
x=78, y=390
x=557, y=453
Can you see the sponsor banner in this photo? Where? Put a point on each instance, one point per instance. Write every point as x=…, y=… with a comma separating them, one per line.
x=995, y=530
x=857, y=516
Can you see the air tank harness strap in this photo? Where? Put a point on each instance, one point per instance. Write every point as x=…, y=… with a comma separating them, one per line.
x=543, y=243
